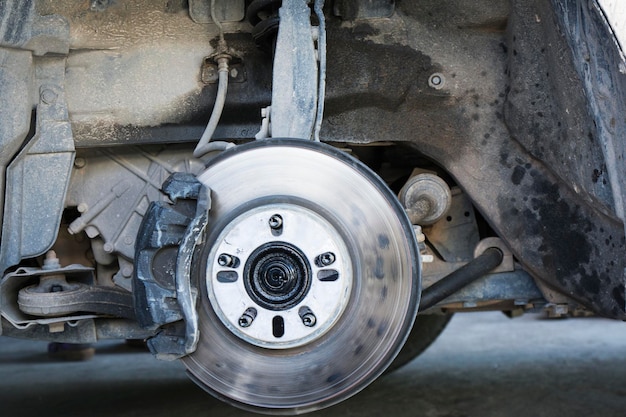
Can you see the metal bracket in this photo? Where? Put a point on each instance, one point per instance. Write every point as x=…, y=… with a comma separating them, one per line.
x=21, y=27
x=37, y=180
x=55, y=295
x=209, y=73
x=13, y=282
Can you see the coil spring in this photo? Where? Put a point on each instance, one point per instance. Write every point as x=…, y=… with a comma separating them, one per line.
x=263, y=15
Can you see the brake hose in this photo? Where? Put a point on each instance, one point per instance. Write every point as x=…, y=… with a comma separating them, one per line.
x=205, y=145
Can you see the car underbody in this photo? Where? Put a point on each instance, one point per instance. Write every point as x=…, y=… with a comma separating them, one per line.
x=273, y=193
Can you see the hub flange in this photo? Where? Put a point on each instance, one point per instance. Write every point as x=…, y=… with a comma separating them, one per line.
x=277, y=274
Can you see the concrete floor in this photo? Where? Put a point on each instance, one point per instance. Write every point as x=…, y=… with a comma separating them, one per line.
x=483, y=365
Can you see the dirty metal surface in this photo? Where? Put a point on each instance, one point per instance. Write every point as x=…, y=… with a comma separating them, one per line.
x=562, y=233
x=507, y=117
x=39, y=176
x=587, y=35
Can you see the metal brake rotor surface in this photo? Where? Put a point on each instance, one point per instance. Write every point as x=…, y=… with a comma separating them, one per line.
x=308, y=277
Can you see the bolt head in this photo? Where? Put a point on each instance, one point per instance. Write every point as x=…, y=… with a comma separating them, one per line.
x=223, y=260
x=328, y=258
x=276, y=221
x=436, y=81
x=309, y=320
x=79, y=163
x=325, y=259
x=245, y=321
x=48, y=96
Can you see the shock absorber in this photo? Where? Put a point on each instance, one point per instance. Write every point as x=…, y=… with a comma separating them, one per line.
x=299, y=50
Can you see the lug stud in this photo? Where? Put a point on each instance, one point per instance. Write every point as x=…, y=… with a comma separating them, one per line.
x=325, y=259
x=247, y=317
x=229, y=261
x=276, y=222
x=307, y=316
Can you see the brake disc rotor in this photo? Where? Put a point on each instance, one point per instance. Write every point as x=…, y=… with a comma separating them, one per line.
x=309, y=277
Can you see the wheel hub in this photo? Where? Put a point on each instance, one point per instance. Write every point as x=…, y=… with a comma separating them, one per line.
x=277, y=276
x=273, y=294
x=308, y=277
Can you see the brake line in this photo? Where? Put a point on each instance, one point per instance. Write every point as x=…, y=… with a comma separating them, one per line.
x=222, y=58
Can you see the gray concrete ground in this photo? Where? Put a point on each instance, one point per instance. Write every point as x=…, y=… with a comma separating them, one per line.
x=483, y=365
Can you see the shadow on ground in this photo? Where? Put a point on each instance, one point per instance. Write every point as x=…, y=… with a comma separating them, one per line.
x=483, y=365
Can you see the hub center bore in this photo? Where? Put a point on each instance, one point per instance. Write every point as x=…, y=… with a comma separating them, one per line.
x=277, y=276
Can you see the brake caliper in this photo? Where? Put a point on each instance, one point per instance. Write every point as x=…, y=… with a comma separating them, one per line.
x=165, y=298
